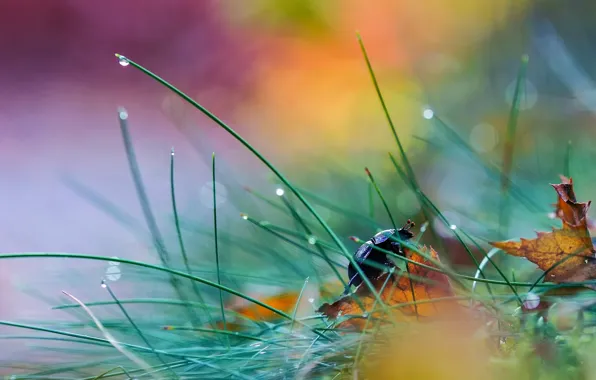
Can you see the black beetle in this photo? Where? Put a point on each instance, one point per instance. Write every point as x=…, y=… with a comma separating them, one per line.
x=366, y=253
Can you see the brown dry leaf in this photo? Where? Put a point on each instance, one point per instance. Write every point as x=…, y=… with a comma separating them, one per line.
x=427, y=284
x=567, y=253
x=566, y=186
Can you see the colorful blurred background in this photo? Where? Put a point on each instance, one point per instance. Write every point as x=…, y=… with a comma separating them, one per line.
x=290, y=77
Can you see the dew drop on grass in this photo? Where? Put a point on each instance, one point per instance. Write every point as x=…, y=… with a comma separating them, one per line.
x=103, y=284
x=453, y=227
x=114, y=263
x=279, y=192
x=123, y=61
x=122, y=114
x=532, y=301
x=312, y=240
x=311, y=300
x=428, y=113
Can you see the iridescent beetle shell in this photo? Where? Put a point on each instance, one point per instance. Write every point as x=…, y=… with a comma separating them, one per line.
x=380, y=260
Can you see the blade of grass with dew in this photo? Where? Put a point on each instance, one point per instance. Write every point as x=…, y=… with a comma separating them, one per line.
x=146, y=208
x=256, y=249
x=215, y=240
x=505, y=213
x=382, y=198
x=195, y=288
x=265, y=161
x=494, y=264
x=23, y=255
x=310, y=235
x=410, y=175
x=268, y=227
x=106, y=286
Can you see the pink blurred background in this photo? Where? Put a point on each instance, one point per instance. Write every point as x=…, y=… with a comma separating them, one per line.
x=288, y=75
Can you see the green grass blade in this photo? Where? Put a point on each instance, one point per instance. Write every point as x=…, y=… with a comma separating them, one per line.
x=158, y=241
x=148, y=266
x=380, y=194
x=134, y=325
x=195, y=288
x=505, y=212
x=267, y=163
x=221, y=301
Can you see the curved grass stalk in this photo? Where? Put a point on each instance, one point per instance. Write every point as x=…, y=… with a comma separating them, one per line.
x=267, y=163
x=133, y=324
x=154, y=267
x=181, y=239
x=110, y=338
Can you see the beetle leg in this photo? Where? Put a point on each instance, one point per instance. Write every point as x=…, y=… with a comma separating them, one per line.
x=347, y=290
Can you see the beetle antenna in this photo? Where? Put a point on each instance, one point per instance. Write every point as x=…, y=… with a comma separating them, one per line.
x=409, y=224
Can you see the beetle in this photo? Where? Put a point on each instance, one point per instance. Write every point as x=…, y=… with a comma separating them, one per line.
x=366, y=253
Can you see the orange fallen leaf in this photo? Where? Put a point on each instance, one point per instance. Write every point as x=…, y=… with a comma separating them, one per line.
x=566, y=253
x=395, y=289
x=568, y=194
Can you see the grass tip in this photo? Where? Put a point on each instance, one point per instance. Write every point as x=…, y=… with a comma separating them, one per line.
x=525, y=58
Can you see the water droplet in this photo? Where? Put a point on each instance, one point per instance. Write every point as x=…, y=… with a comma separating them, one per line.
x=244, y=216
x=113, y=273
x=312, y=240
x=453, y=227
x=365, y=315
x=311, y=300
x=262, y=352
x=258, y=344
x=123, y=61
x=279, y=192
x=586, y=261
x=532, y=301
x=103, y=284
x=122, y=114
x=114, y=263
x=428, y=113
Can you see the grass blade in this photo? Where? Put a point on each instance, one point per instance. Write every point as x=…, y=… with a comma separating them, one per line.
x=221, y=302
x=267, y=163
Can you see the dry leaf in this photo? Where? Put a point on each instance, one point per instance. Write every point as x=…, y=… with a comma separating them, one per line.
x=396, y=289
x=565, y=192
x=567, y=253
